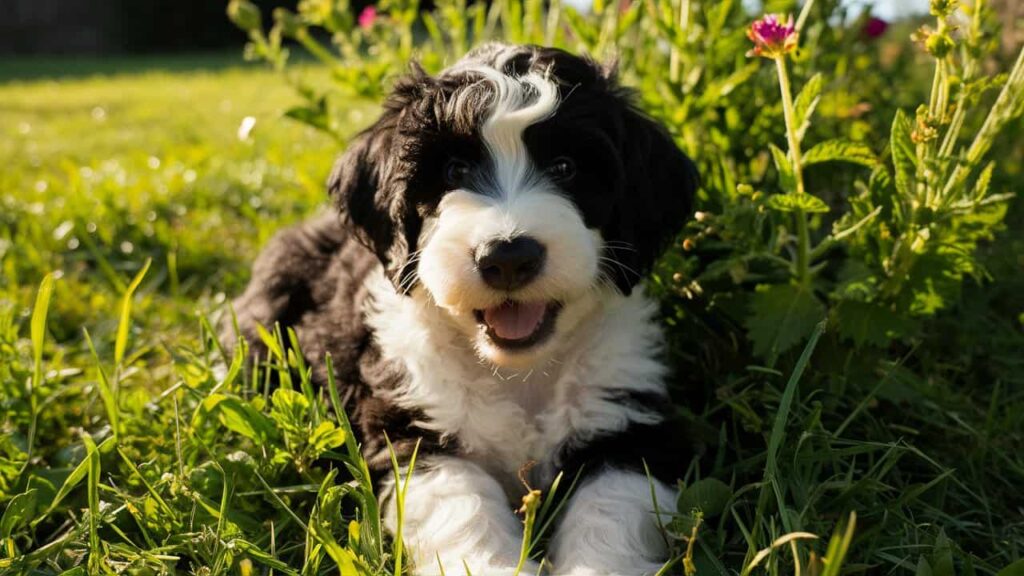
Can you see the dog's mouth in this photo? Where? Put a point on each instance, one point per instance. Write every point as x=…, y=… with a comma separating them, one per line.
x=518, y=325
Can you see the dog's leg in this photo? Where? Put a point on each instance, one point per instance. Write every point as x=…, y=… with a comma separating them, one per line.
x=609, y=527
x=457, y=516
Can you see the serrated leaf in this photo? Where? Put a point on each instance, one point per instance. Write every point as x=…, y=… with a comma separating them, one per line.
x=786, y=178
x=984, y=181
x=904, y=157
x=781, y=316
x=840, y=151
x=806, y=102
x=797, y=203
x=709, y=495
x=871, y=324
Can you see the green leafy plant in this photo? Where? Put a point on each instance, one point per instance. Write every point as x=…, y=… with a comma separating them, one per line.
x=154, y=452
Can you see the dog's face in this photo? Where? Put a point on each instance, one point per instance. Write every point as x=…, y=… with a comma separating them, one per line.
x=513, y=191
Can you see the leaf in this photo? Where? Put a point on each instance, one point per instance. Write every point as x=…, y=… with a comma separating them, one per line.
x=942, y=556
x=38, y=329
x=106, y=390
x=92, y=483
x=72, y=481
x=709, y=495
x=126, y=312
x=241, y=417
x=923, y=567
x=20, y=510
x=841, y=151
x=786, y=178
x=271, y=342
x=325, y=437
x=781, y=317
x=314, y=117
x=722, y=87
x=865, y=323
x=796, y=203
x=806, y=102
x=1015, y=569
x=904, y=158
x=984, y=180
x=290, y=409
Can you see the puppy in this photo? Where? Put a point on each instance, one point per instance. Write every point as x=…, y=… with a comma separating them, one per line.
x=480, y=293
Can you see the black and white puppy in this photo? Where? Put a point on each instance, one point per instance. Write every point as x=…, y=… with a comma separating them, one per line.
x=480, y=292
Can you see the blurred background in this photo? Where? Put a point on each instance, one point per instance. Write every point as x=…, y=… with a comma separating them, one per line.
x=134, y=26
x=98, y=27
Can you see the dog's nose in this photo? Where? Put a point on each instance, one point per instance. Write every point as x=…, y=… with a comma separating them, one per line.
x=510, y=264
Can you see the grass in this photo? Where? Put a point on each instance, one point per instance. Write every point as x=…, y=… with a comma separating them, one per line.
x=130, y=212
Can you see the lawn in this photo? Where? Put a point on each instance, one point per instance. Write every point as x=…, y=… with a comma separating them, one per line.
x=104, y=173
x=139, y=448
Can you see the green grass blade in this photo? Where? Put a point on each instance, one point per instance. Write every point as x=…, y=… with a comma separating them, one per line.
x=121, y=343
x=39, y=313
x=71, y=482
x=38, y=333
x=778, y=434
x=92, y=460
x=107, y=393
x=838, y=546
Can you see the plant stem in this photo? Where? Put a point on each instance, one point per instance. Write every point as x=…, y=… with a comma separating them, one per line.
x=803, y=249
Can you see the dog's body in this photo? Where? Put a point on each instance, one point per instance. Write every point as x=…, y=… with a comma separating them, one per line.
x=480, y=295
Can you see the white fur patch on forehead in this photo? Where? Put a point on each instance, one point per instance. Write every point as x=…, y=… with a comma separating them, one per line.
x=518, y=102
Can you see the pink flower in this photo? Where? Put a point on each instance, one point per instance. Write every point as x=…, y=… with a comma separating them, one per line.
x=367, y=17
x=771, y=37
x=874, y=28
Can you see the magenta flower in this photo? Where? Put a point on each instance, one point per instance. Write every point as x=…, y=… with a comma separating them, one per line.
x=874, y=28
x=771, y=37
x=367, y=17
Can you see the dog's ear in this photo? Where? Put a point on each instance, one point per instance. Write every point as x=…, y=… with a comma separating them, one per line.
x=660, y=185
x=368, y=191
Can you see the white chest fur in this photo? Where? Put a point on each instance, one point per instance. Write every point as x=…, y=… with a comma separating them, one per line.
x=504, y=420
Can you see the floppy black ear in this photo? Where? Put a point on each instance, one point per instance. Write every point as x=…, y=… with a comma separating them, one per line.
x=660, y=185
x=369, y=192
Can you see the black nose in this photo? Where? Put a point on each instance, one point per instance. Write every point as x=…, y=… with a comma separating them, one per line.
x=510, y=264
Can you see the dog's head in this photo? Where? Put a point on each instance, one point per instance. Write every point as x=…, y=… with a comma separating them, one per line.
x=513, y=190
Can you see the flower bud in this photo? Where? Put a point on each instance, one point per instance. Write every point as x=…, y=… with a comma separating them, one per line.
x=290, y=24
x=943, y=8
x=939, y=45
x=244, y=14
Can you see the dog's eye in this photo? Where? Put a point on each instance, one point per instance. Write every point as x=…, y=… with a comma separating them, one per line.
x=455, y=171
x=562, y=169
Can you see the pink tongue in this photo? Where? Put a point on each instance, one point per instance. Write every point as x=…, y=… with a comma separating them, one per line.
x=515, y=320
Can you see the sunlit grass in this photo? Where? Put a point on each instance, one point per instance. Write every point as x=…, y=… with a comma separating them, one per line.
x=155, y=453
